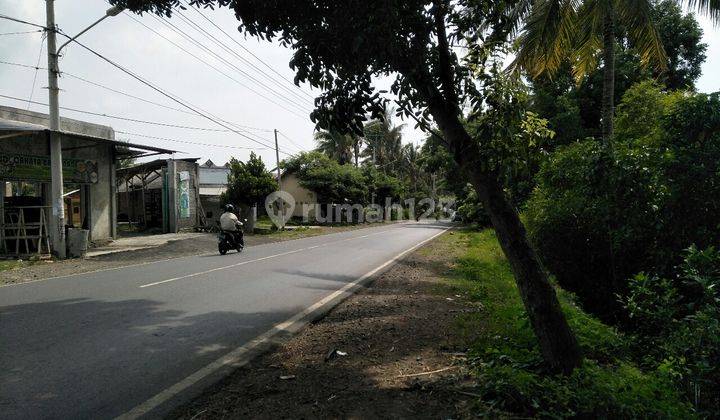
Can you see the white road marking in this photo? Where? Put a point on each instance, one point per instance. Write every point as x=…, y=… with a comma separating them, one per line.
x=240, y=356
x=176, y=258
x=257, y=259
x=221, y=268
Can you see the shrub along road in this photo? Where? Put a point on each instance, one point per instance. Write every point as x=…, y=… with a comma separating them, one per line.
x=144, y=337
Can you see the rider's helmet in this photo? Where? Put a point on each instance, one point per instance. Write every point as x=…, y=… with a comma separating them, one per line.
x=229, y=207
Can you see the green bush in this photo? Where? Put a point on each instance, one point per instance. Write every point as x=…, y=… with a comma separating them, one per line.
x=470, y=208
x=509, y=372
x=676, y=326
x=592, y=391
x=340, y=184
x=599, y=216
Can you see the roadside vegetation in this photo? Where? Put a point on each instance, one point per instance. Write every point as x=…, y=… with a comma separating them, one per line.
x=508, y=367
x=14, y=264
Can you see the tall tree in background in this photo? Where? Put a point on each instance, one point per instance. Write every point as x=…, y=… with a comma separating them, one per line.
x=410, y=167
x=573, y=109
x=340, y=53
x=383, y=140
x=340, y=147
x=586, y=31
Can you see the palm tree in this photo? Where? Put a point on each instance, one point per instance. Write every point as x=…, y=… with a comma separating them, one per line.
x=410, y=168
x=384, y=140
x=341, y=147
x=584, y=31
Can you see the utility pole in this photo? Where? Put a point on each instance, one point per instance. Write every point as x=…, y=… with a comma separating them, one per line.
x=57, y=219
x=277, y=159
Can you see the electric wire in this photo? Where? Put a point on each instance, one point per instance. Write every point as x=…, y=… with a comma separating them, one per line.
x=225, y=61
x=188, y=142
x=167, y=138
x=291, y=141
x=100, y=85
x=211, y=65
x=197, y=110
x=37, y=67
x=21, y=32
x=22, y=21
x=198, y=11
x=225, y=124
x=232, y=51
x=117, y=117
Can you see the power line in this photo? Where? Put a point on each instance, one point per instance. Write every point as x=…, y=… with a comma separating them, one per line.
x=188, y=142
x=224, y=46
x=155, y=137
x=21, y=32
x=216, y=120
x=64, y=73
x=236, y=54
x=117, y=117
x=197, y=10
x=100, y=85
x=37, y=66
x=224, y=60
x=246, y=127
x=205, y=114
x=291, y=141
x=210, y=65
x=22, y=21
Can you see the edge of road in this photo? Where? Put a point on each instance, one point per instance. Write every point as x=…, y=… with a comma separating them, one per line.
x=194, y=384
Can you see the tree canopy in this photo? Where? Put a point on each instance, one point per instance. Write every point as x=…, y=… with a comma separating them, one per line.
x=573, y=109
x=248, y=182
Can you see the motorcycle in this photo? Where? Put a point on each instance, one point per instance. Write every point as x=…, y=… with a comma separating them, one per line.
x=228, y=240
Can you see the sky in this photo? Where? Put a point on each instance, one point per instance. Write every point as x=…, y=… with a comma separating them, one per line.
x=255, y=96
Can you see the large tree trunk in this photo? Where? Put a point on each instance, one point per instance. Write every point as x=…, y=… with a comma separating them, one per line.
x=608, y=95
x=558, y=345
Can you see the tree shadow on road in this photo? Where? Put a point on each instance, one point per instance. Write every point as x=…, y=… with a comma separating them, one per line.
x=99, y=358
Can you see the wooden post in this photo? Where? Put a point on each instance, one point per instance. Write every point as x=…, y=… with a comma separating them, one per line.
x=22, y=232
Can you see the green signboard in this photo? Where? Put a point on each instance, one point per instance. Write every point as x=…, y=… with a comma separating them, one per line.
x=17, y=167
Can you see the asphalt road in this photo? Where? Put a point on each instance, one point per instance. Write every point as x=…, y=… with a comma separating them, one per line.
x=99, y=345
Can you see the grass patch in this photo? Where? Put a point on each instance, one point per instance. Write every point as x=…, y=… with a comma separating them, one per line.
x=13, y=264
x=507, y=363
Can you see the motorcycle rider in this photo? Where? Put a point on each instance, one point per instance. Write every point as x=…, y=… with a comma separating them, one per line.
x=230, y=223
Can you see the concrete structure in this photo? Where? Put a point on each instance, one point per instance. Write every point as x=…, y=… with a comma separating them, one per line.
x=213, y=182
x=162, y=194
x=302, y=195
x=90, y=153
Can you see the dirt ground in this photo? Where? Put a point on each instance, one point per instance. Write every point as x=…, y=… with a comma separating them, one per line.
x=196, y=245
x=373, y=356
